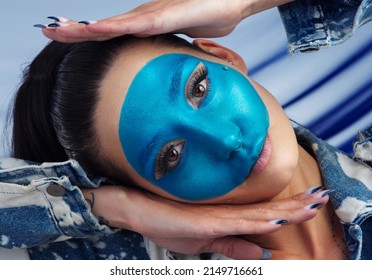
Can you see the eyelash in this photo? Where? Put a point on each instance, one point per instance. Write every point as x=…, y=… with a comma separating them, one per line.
x=199, y=75
x=162, y=165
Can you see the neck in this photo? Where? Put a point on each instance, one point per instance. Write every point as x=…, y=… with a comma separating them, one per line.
x=313, y=239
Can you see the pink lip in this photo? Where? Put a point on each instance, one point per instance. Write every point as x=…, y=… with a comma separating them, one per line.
x=263, y=158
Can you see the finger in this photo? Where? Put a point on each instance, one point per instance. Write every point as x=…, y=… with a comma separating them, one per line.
x=295, y=208
x=298, y=212
x=298, y=201
x=260, y=222
x=74, y=34
x=227, y=227
x=142, y=24
x=203, y=227
x=237, y=248
x=56, y=22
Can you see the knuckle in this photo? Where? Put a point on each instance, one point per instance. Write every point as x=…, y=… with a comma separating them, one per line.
x=152, y=21
x=262, y=210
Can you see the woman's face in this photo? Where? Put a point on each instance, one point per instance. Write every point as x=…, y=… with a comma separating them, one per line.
x=189, y=127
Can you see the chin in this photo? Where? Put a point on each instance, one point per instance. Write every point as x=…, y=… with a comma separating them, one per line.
x=276, y=176
x=282, y=168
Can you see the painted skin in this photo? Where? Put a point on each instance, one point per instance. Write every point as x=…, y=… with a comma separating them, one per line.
x=199, y=143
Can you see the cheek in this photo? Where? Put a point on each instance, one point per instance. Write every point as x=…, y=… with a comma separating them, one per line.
x=284, y=157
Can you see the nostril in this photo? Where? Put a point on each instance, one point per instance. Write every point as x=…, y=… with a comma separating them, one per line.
x=240, y=144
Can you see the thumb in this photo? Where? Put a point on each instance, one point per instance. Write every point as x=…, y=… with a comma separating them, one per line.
x=238, y=249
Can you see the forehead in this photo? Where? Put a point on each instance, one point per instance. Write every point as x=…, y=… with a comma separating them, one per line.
x=131, y=60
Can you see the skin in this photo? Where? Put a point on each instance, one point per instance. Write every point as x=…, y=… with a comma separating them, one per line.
x=221, y=137
x=293, y=168
x=207, y=18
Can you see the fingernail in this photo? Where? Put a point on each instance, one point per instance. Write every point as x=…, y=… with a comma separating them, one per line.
x=278, y=222
x=88, y=22
x=324, y=193
x=59, y=24
x=266, y=254
x=54, y=24
x=59, y=19
x=312, y=206
x=313, y=190
x=39, y=25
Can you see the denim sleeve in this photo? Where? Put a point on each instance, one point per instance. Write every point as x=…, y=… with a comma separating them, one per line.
x=362, y=146
x=42, y=203
x=314, y=24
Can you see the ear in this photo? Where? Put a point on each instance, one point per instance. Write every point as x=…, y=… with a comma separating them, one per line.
x=221, y=52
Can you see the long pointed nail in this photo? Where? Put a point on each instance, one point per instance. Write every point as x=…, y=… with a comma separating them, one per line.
x=59, y=24
x=312, y=206
x=88, y=22
x=324, y=193
x=266, y=254
x=54, y=24
x=59, y=19
x=313, y=190
x=278, y=222
x=39, y=25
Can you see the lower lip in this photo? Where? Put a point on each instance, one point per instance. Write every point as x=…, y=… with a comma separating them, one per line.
x=263, y=158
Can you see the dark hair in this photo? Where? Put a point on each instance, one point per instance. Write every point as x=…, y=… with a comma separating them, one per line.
x=53, y=115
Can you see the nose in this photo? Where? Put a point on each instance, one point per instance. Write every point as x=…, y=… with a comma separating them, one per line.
x=221, y=137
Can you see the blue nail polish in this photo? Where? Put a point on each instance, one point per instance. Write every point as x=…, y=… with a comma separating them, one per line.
x=54, y=18
x=327, y=192
x=316, y=205
x=58, y=19
x=39, y=25
x=278, y=222
x=266, y=254
x=313, y=189
x=86, y=22
x=53, y=25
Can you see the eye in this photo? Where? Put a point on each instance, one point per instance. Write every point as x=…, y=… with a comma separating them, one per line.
x=169, y=157
x=197, y=87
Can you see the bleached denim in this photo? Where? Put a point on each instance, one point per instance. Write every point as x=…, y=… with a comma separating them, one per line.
x=314, y=24
x=41, y=205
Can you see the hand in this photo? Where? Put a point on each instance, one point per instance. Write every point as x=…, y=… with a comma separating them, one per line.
x=192, y=228
x=207, y=18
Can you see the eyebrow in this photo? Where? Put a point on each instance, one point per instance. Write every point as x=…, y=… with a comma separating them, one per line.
x=150, y=150
x=173, y=93
x=175, y=85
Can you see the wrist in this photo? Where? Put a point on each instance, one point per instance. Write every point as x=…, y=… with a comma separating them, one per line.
x=109, y=205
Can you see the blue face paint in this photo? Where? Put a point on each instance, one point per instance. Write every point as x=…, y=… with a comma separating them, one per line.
x=192, y=127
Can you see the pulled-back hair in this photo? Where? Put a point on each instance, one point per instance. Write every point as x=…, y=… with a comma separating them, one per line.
x=53, y=115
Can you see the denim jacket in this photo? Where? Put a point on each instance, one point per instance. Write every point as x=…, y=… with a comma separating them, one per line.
x=349, y=177
x=313, y=24
x=42, y=205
